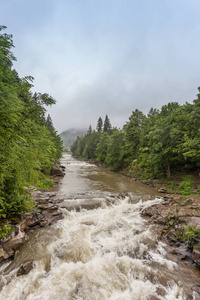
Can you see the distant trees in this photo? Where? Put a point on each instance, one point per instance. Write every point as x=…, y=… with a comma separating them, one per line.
x=99, y=124
x=107, y=125
x=29, y=144
x=156, y=144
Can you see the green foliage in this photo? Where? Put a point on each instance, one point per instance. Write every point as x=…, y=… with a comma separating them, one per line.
x=186, y=185
x=5, y=231
x=198, y=188
x=159, y=143
x=107, y=127
x=29, y=144
x=102, y=147
x=99, y=125
x=191, y=234
x=115, y=151
x=45, y=183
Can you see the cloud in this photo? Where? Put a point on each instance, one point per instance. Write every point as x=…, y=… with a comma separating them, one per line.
x=106, y=57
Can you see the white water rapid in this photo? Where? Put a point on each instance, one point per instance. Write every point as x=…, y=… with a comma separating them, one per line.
x=106, y=253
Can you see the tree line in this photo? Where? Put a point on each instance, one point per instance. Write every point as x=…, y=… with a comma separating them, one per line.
x=156, y=144
x=29, y=144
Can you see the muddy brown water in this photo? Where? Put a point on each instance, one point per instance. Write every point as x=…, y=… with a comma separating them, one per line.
x=106, y=253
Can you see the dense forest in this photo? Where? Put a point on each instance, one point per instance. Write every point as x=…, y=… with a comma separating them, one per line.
x=29, y=144
x=155, y=145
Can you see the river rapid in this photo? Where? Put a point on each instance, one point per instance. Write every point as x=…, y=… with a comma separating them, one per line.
x=105, y=253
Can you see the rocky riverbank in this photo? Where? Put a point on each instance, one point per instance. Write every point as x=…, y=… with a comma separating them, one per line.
x=180, y=226
x=46, y=213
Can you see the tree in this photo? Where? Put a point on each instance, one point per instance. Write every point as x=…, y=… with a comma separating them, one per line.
x=102, y=147
x=162, y=142
x=27, y=146
x=107, y=125
x=133, y=132
x=99, y=125
x=115, y=152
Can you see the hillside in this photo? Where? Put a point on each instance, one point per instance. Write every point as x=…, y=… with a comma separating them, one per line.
x=69, y=136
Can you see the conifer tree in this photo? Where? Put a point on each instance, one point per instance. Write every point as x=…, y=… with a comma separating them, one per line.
x=99, y=125
x=107, y=125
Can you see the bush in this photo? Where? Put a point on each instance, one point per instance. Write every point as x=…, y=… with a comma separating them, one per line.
x=5, y=230
x=186, y=185
x=191, y=234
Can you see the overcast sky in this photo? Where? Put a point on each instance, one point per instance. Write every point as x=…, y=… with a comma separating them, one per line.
x=98, y=57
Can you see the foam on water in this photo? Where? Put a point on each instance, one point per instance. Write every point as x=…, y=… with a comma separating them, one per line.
x=106, y=253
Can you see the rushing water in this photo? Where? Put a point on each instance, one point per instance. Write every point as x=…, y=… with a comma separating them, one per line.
x=99, y=254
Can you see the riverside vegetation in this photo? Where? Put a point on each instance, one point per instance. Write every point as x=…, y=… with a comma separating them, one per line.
x=29, y=144
x=161, y=149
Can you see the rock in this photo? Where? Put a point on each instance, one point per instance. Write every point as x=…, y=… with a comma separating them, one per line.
x=14, y=241
x=196, y=256
x=162, y=190
x=30, y=220
x=3, y=254
x=82, y=204
x=26, y=267
x=57, y=172
x=62, y=167
x=50, y=194
x=194, y=221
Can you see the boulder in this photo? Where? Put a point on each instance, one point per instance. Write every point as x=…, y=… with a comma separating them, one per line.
x=82, y=204
x=26, y=267
x=3, y=255
x=56, y=171
x=196, y=256
x=29, y=220
x=14, y=241
x=162, y=190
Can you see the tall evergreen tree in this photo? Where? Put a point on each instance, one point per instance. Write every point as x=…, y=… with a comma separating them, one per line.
x=99, y=124
x=107, y=125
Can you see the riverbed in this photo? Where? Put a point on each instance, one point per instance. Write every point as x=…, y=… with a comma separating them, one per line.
x=109, y=252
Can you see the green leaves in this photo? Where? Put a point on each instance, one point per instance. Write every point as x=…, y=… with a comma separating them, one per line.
x=28, y=144
x=161, y=141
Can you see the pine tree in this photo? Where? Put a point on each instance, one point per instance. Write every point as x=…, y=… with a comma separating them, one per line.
x=107, y=125
x=99, y=125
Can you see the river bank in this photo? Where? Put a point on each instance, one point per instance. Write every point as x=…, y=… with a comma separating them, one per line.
x=178, y=215
x=46, y=212
x=104, y=247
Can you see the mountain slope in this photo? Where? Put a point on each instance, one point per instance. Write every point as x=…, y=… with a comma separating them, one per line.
x=69, y=136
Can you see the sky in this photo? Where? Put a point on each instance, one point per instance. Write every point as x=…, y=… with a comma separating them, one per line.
x=98, y=57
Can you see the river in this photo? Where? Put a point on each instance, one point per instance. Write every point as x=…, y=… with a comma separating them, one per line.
x=106, y=253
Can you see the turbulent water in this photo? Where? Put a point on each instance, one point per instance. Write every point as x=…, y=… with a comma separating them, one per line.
x=105, y=253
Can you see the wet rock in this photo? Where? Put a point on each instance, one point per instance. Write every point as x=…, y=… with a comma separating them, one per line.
x=82, y=204
x=62, y=167
x=57, y=172
x=50, y=194
x=196, y=256
x=29, y=220
x=52, y=207
x=43, y=206
x=3, y=254
x=196, y=288
x=14, y=241
x=26, y=267
x=162, y=190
